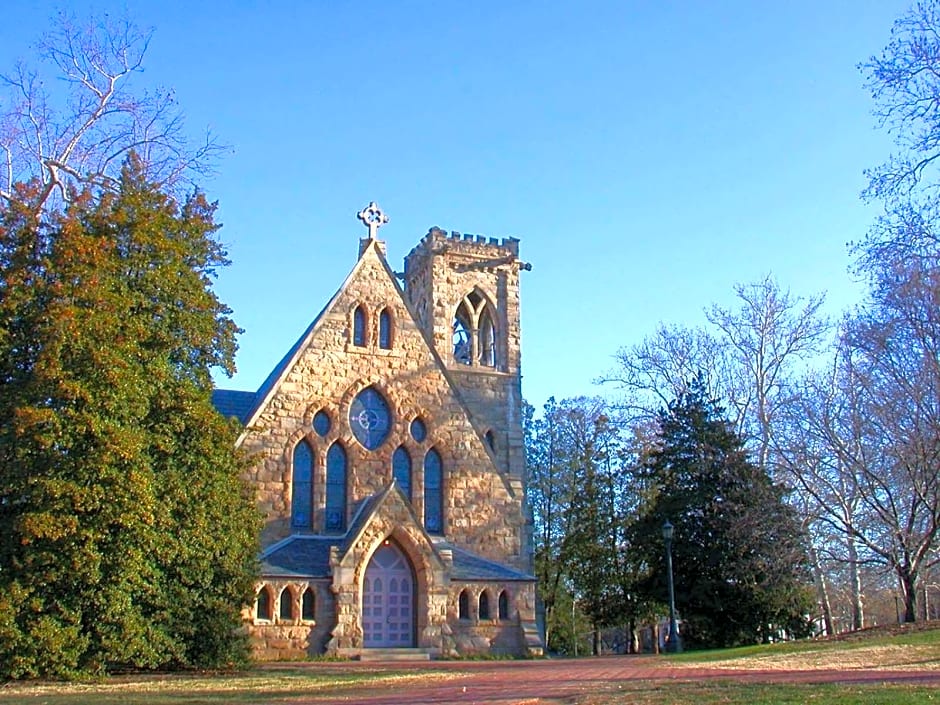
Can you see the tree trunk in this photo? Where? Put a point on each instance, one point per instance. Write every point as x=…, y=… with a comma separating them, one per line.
x=909, y=591
x=823, y=588
x=858, y=612
x=595, y=641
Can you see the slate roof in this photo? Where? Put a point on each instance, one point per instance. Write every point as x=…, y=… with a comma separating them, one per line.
x=300, y=557
x=230, y=402
x=469, y=566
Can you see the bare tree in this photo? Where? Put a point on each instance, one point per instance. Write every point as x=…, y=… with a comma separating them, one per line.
x=904, y=81
x=745, y=360
x=876, y=435
x=769, y=335
x=662, y=367
x=80, y=135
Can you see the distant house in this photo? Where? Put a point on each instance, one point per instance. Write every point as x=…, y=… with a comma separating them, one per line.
x=387, y=456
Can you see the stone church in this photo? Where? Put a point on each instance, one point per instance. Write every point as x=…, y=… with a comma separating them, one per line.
x=387, y=454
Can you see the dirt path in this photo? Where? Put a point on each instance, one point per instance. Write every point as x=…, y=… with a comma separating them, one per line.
x=534, y=682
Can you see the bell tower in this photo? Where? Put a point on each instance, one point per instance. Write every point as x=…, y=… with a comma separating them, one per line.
x=465, y=292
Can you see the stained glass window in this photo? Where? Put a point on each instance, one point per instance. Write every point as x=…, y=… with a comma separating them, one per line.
x=335, y=488
x=385, y=330
x=418, y=430
x=401, y=470
x=302, y=488
x=322, y=423
x=433, y=493
x=369, y=418
x=359, y=326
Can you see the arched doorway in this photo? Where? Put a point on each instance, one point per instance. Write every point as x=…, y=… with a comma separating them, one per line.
x=388, y=601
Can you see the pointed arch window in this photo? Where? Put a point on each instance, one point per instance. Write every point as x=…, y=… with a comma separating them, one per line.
x=433, y=493
x=463, y=605
x=503, y=605
x=385, y=329
x=474, y=331
x=301, y=507
x=401, y=470
x=487, y=339
x=286, y=609
x=359, y=326
x=335, y=488
x=308, y=606
x=263, y=604
x=484, y=610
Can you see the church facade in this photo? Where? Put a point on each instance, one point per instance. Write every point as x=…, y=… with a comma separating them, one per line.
x=386, y=452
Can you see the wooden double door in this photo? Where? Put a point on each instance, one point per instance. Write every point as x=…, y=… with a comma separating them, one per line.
x=388, y=600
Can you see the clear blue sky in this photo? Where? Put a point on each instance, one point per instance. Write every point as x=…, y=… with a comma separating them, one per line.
x=649, y=155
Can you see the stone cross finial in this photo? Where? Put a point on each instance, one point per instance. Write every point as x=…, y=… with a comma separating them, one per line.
x=373, y=217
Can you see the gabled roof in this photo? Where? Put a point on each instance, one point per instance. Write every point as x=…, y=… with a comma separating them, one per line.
x=299, y=556
x=232, y=403
x=469, y=566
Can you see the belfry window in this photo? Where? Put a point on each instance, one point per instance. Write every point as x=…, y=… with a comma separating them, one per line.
x=433, y=493
x=335, y=488
x=487, y=340
x=474, y=332
x=401, y=470
x=301, y=503
x=385, y=330
x=359, y=326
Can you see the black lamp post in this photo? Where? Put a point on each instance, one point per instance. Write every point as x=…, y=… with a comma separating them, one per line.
x=672, y=644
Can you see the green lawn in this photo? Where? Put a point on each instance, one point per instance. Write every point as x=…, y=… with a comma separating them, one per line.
x=906, y=650
x=728, y=693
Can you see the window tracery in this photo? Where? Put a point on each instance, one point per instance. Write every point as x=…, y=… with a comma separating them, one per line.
x=474, y=332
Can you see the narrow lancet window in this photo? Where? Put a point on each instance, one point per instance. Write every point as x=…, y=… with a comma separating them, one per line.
x=335, y=488
x=385, y=330
x=401, y=470
x=359, y=326
x=301, y=509
x=433, y=493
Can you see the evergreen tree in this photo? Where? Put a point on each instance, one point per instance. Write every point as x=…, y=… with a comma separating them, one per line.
x=128, y=538
x=738, y=556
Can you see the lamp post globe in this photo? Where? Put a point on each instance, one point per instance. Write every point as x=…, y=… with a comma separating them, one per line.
x=673, y=645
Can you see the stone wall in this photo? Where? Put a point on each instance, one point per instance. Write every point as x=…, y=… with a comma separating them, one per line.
x=279, y=639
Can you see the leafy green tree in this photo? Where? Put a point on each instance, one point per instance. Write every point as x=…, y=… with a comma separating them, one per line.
x=129, y=538
x=740, y=568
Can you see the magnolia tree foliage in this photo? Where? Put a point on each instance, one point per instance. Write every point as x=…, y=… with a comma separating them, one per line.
x=739, y=559
x=126, y=536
